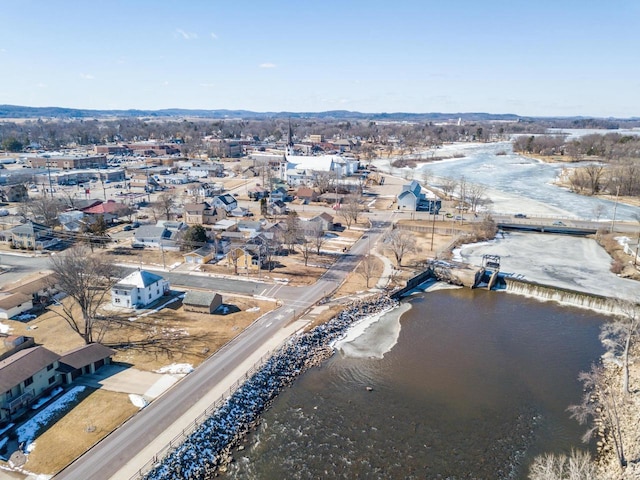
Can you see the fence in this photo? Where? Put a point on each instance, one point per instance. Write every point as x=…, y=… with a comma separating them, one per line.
x=199, y=420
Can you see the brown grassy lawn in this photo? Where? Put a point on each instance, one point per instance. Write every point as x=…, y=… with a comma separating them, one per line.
x=168, y=336
x=90, y=421
x=356, y=282
x=146, y=256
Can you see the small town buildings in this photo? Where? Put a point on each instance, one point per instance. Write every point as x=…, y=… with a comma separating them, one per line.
x=138, y=289
x=324, y=222
x=110, y=210
x=14, y=193
x=14, y=304
x=154, y=236
x=307, y=194
x=83, y=360
x=32, y=236
x=410, y=196
x=202, y=214
x=201, y=302
x=200, y=256
x=24, y=376
x=226, y=201
x=67, y=162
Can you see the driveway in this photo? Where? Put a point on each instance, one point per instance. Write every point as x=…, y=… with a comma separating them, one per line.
x=123, y=379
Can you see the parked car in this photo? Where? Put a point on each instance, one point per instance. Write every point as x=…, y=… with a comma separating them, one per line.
x=137, y=245
x=559, y=224
x=520, y=215
x=135, y=224
x=127, y=228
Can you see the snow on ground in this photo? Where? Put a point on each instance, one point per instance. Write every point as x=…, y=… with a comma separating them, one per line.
x=4, y=328
x=137, y=400
x=176, y=368
x=42, y=400
x=569, y=262
x=28, y=431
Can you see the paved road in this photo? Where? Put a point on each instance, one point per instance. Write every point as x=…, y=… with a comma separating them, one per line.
x=108, y=457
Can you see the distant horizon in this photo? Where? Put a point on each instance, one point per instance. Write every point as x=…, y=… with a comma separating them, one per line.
x=541, y=59
x=283, y=112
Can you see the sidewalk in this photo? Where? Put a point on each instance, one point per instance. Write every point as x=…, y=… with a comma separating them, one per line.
x=222, y=389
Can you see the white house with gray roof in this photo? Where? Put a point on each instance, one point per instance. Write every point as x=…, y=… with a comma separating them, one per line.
x=138, y=289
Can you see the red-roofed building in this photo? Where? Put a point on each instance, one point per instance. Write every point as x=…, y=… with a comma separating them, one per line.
x=110, y=210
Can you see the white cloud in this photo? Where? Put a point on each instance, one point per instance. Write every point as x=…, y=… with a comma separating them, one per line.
x=41, y=85
x=208, y=85
x=186, y=35
x=214, y=36
x=87, y=76
x=267, y=65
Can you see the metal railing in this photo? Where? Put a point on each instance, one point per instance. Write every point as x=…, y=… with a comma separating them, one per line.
x=200, y=419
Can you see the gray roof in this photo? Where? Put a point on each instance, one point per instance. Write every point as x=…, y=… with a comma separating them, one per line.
x=139, y=279
x=151, y=231
x=203, y=251
x=24, y=364
x=200, y=299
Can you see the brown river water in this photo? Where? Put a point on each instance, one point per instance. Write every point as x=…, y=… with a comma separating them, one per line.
x=476, y=385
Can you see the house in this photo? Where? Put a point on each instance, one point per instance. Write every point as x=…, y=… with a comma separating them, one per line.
x=110, y=210
x=324, y=220
x=202, y=214
x=240, y=212
x=153, y=236
x=138, y=289
x=251, y=226
x=200, y=256
x=280, y=194
x=201, y=302
x=257, y=192
x=14, y=193
x=277, y=208
x=410, y=196
x=32, y=236
x=24, y=376
x=83, y=360
x=40, y=287
x=13, y=304
x=226, y=201
x=247, y=258
x=307, y=194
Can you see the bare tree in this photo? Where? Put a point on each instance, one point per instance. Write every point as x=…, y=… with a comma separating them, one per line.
x=475, y=194
x=595, y=174
x=164, y=204
x=619, y=336
x=367, y=268
x=577, y=466
x=600, y=405
x=292, y=231
x=86, y=279
x=448, y=186
x=400, y=242
x=42, y=209
x=598, y=211
x=350, y=209
x=307, y=247
x=316, y=233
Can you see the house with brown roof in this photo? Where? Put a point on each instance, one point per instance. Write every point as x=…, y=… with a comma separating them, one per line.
x=84, y=360
x=307, y=194
x=110, y=210
x=24, y=376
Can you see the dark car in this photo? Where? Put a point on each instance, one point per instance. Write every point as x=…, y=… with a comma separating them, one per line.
x=127, y=228
x=520, y=215
x=137, y=245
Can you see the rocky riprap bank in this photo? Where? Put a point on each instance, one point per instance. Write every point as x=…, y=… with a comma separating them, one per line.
x=208, y=448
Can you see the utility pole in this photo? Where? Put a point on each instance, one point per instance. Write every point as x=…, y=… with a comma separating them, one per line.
x=615, y=207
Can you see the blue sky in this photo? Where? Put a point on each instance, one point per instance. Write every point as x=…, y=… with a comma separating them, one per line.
x=542, y=57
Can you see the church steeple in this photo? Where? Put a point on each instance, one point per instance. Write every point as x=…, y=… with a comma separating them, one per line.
x=289, y=149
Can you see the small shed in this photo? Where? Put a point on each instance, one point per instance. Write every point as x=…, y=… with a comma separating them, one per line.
x=201, y=302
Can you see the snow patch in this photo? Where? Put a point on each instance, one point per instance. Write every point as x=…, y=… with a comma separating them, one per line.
x=176, y=368
x=4, y=328
x=137, y=400
x=28, y=431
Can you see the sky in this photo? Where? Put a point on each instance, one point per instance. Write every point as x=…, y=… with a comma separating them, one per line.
x=534, y=58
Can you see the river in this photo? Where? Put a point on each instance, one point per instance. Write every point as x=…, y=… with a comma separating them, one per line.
x=477, y=384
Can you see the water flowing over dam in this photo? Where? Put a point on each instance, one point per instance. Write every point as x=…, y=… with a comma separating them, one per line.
x=562, y=295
